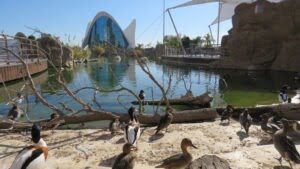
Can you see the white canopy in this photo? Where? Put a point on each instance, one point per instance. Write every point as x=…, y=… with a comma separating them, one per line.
x=227, y=7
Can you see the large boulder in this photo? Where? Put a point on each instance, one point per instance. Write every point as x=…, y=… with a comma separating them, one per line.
x=263, y=36
x=289, y=56
x=58, y=54
x=67, y=58
x=209, y=162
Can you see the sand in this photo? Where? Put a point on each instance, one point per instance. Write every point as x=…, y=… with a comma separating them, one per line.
x=89, y=149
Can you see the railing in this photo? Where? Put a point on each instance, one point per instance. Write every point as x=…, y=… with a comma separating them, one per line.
x=26, y=48
x=205, y=53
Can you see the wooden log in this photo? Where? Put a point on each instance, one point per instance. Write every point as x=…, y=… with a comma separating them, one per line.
x=179, y=117
x=201, y=101
x=289, y=111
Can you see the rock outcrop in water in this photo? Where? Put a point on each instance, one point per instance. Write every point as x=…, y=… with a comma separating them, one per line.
x=52, y=46
x=264, y=36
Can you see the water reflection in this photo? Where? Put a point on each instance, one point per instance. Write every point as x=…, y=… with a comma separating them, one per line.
x=109, y=74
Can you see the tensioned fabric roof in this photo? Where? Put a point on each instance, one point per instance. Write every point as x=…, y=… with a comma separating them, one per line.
x=227, y=7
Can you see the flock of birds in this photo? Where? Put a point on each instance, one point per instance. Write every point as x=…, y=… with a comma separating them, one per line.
x=281, y=130
x=31, y=157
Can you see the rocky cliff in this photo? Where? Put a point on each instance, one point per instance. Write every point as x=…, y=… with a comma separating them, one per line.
x=264, y=36
x=55, y=54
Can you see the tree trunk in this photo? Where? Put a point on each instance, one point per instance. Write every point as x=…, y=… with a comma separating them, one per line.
x=179, y=117
x=201, y=101
x=289, y=111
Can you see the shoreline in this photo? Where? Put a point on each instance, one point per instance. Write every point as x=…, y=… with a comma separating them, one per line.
x=95, y=148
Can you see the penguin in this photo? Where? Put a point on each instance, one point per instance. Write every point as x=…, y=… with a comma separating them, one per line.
x=17, y=100
x=132, y=130
x=142, y=96
x=14, y=113
x=282, y=97
x=34, y=156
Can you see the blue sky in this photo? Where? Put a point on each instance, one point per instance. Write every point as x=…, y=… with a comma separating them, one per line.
x=70, y=17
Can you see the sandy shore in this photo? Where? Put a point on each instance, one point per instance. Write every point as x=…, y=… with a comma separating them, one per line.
x=89, y=149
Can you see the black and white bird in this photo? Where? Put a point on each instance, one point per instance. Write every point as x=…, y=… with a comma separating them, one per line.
x=142, y=96
x=285, y=146
x=34, y=156
x=114, y=126
x=227, y=113
x=16, y=100
x=282, y=96
x=132, y=130
x=14, y=113
x=165, y=121
x=126, y=160
x=245, y=120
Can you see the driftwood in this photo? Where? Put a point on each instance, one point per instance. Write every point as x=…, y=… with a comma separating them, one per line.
x=209, y=161
x=289, y=111
x=201, y=101
x=179, y=117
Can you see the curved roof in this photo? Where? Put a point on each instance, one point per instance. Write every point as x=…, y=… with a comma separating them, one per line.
x=91, y=24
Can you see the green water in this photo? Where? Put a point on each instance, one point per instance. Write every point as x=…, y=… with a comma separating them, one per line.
x=243, y=88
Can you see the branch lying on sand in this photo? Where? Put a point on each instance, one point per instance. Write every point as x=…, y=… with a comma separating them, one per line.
x=201, y=101
x=179, y=117
x=289, y=111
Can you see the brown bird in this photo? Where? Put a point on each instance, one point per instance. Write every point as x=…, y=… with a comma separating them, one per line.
x=114, y=126
x=267, y=126
x=245, y=120
x=227, y=113
x=179, y=161
x=285, y=146
x=165, y=121
x=296, y=126
x=126, y=160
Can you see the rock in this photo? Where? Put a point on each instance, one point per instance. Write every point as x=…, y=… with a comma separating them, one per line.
x=209, y=162
x=263, y=40
x=290, y=63
x=53, y=48
x=67, y=58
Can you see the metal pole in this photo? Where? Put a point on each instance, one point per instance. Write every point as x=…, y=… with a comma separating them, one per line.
x=219, y=14
x=164, y=26
x=6, y=46
x=211, y=33
x=176, y=31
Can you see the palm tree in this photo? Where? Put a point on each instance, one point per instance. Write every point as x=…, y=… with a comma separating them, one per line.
x=208, y=41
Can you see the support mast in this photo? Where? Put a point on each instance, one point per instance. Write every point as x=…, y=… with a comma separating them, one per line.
x=176, y=31
x=219, y=15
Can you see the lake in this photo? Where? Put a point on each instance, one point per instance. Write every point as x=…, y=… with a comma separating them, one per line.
x=244, y=88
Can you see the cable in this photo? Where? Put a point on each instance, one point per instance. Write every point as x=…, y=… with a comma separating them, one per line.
x=158, y=18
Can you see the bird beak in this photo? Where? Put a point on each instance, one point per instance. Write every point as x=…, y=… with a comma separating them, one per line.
x=194, y=146
x=133, y=149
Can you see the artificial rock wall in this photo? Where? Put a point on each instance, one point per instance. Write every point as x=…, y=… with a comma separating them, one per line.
x=264, y=36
